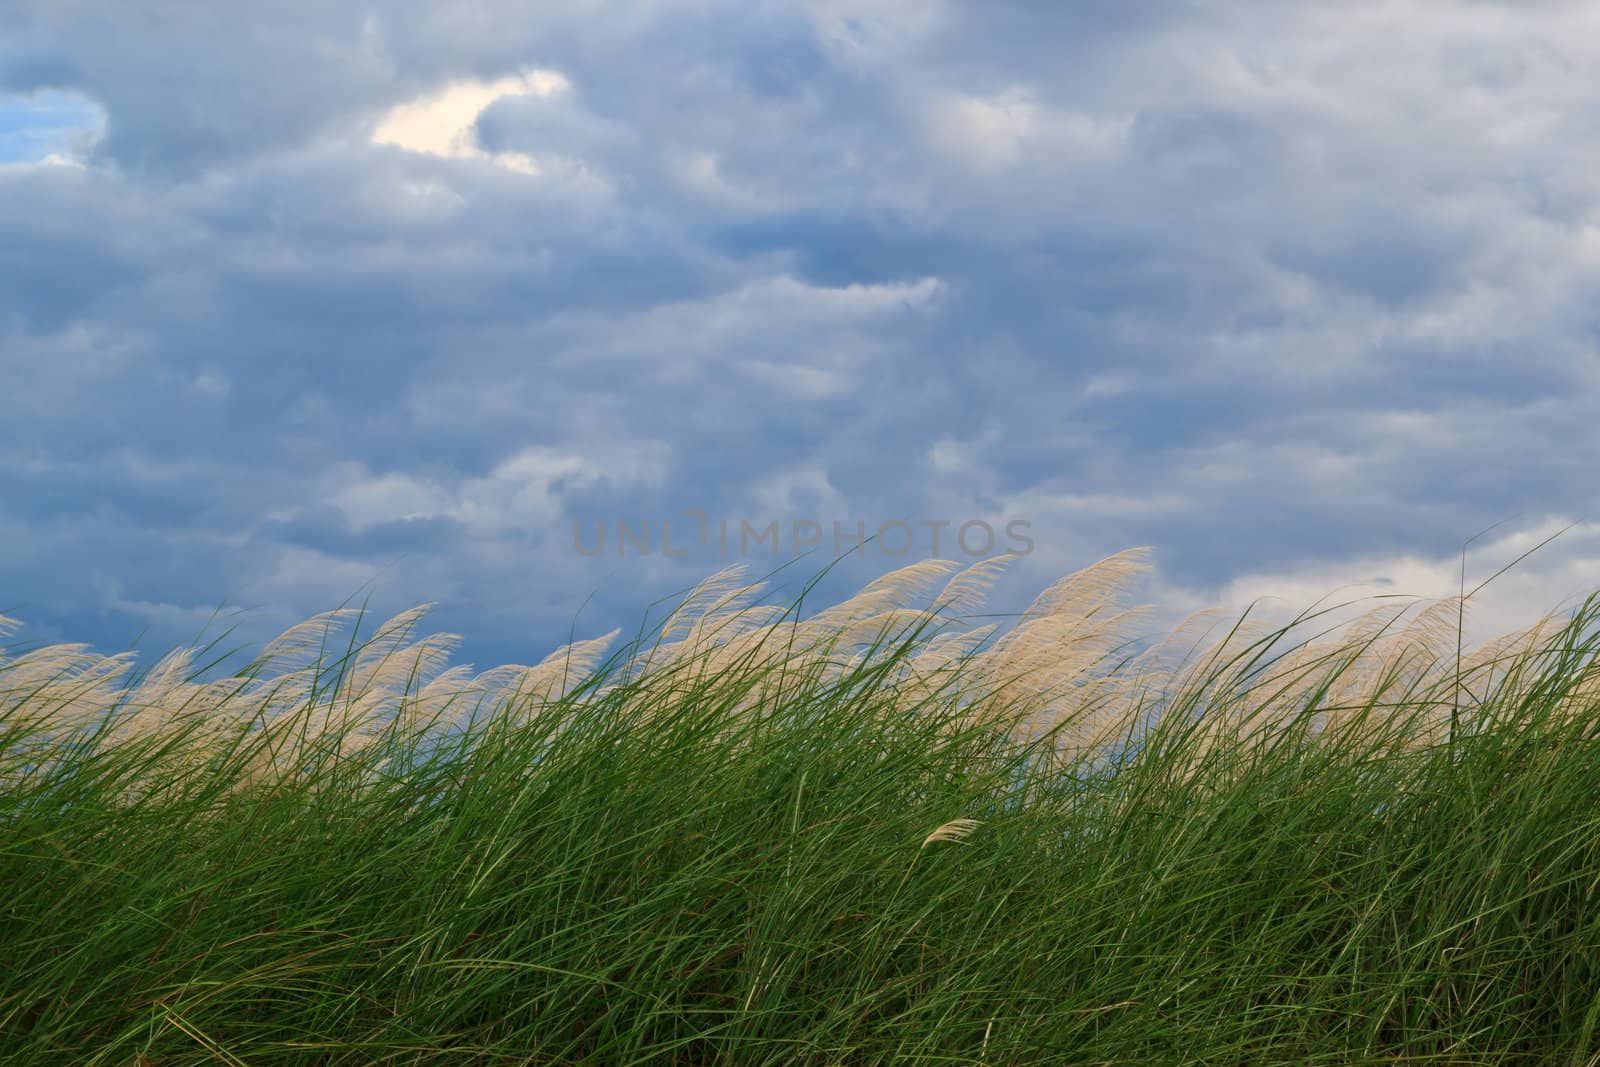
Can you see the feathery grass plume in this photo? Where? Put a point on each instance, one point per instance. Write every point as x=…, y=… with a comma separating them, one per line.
x=945, y=651
x=8, y=627
x=720, y=613
x=1314, y=683
x=1056, y=673
x=969, y=590
x=1242, y=687
x=448, y=691
x=393, y=686
x=935, y=669
x=947, y=646
x=1580, y=702
x=956, y=831
x=1373, y=683
x=871, y=631
x=1175, y=652
x=724, y=595
x=565, y=668
x=1507, y=664
x=728, y=636
x=1418, y=657
x=1055, y=669
x=380, y=662
x=74, y=682
x=302, y=644
x=896, y=590
x=1093, y=587
x=1489, y=662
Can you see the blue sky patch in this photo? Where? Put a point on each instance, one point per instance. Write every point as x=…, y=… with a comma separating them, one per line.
x=45, y=124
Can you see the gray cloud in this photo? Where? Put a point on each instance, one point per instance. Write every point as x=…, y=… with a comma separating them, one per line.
x=1271, y=287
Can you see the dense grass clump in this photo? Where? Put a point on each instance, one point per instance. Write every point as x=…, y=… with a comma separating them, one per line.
x=870, y=835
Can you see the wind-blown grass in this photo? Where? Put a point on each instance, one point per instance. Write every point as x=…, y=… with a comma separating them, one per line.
x=872, y=834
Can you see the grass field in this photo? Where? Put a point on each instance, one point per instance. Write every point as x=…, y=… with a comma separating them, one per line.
x=863, y=835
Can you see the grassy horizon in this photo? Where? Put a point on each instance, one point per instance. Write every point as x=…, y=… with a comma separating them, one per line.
x=876, y=834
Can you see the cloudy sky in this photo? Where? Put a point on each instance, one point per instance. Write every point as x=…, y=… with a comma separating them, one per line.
x=304, y=300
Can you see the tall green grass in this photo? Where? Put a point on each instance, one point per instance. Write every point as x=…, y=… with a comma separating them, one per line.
x=873, y=834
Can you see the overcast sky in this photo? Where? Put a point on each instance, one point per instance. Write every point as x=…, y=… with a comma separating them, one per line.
x=297, y=297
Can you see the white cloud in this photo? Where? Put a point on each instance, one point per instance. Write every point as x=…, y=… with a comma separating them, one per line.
x=212, y=384
x=993, y=133
x=388, y=498
x=762, y=309
x=803, y=491
x=700, y=173
x=305, y=581
x=443, y=123
x=523, y=493
x=196, y=620
x=1549, y=580
x=520, y=494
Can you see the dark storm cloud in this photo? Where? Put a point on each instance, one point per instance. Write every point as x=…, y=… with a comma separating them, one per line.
x=1269, y=286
